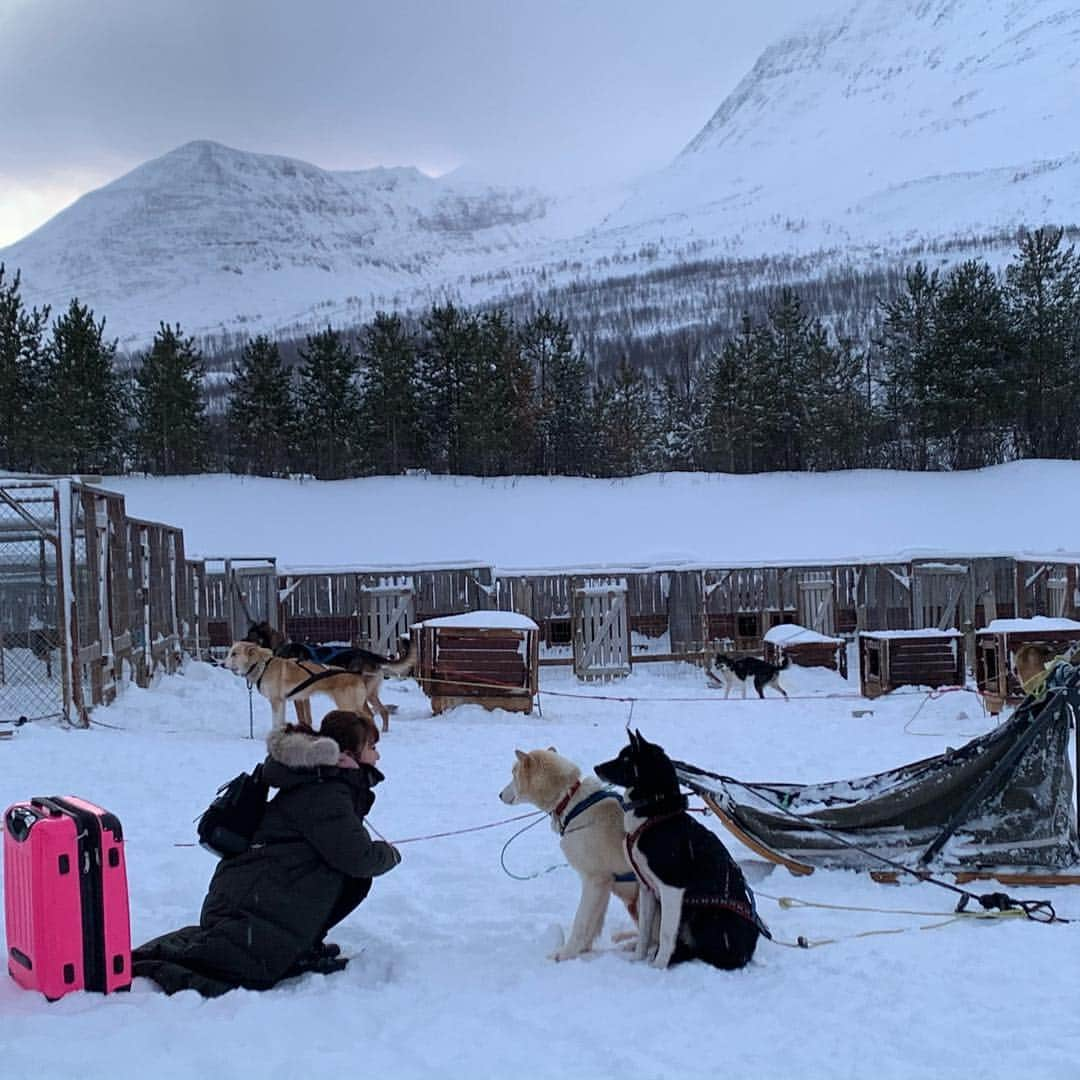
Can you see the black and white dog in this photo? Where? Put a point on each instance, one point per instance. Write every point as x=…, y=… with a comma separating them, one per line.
x=749, y=668
x=694, y=903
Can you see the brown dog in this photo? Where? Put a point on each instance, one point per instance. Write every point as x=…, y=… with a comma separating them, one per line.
x=279, y=680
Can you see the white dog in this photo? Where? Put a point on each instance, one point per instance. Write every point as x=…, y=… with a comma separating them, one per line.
x=589, y=820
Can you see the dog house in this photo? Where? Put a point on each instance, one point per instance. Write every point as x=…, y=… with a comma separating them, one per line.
x=805, y=647
x=996, y=648
x=488, y=658
x=892, y=658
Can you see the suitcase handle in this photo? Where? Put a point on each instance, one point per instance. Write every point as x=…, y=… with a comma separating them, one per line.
x=46, y=804
x=20, y=820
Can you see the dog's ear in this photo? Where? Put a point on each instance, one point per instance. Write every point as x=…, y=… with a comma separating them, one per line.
x=553, y=750
x=521, y=756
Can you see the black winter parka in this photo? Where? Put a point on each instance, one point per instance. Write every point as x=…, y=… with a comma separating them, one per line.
x=267, y=908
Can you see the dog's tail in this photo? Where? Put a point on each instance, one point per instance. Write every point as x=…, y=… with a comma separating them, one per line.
x=406, y=664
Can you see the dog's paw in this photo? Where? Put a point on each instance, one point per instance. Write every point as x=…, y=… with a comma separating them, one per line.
x=567, y=952
x=626, y=938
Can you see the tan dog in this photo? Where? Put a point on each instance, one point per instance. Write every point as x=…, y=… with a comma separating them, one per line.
x=1029, y=662
x=279, y=680
x=589, y=820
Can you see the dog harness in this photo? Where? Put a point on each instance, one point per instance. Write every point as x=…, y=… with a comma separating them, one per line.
x=590, y=800
x=722, y=899
x=258, y=682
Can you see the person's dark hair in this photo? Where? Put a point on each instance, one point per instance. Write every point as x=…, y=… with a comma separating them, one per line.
x=350, y=730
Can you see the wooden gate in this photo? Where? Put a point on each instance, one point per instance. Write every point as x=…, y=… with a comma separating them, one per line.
x=816, y=608
x=601, y=630
x=936, y=594
x=386, y=610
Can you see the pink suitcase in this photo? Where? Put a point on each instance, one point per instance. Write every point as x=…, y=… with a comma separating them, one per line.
x=65, y=897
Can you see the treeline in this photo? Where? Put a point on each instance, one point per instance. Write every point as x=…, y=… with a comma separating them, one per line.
x=965, y=368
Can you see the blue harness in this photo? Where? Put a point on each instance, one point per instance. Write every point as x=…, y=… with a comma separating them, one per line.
x=581, y=807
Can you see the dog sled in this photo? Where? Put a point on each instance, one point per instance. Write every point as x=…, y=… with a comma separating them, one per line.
x=1003, y=806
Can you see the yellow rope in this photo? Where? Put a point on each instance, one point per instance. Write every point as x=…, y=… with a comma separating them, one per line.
x=788, y=902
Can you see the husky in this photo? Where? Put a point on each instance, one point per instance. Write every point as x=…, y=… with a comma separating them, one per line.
x=695, y=903
x=745, y=669
x=589, y=820
x=280, y=680
x=371, y=665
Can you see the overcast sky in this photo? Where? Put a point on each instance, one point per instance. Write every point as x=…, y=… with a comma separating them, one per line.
x=564, y=90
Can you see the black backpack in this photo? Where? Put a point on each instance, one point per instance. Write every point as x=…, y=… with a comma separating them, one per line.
x=229, y=822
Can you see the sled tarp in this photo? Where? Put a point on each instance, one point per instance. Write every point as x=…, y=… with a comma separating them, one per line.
x=1003, y=800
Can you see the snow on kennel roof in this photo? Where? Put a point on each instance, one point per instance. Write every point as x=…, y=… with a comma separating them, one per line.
x=793, y=634
x=486, y=620
x=1042, y=623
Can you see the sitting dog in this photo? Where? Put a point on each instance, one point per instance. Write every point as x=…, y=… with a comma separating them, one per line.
x=278, y=680
x=694, y=902
x=589, y=821
x=370, y=665
x=746, y=668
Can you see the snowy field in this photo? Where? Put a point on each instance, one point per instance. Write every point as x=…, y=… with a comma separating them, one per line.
x=449, y=974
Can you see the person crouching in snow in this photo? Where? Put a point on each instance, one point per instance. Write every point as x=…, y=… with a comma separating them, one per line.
x=267, y=911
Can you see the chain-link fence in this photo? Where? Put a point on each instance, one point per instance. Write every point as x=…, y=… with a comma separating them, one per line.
x=31, y=659
x=89, y=598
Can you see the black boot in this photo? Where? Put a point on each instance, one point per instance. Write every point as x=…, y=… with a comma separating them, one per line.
x=319, y=963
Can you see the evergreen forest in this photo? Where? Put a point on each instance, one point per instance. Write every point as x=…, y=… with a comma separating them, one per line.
x=958, y=368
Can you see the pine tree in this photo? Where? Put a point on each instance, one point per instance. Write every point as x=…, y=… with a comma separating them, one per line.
x=82, y=400
x=328, y=406
x=170, y=412
x=261, y=417
x=730, y=435
x=21, y=337
x=497, y=414
x=392, y=436
x=1042, y=287
x=626, y=423
x=448, y=357
x=562, y=438
x=970, y=403
x=904, y=350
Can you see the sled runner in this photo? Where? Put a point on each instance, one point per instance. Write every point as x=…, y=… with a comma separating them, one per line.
x=65, y=897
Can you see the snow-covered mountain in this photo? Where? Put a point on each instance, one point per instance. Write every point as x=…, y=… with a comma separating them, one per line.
x=896, y=121
x=897, y=127
x=222, y=239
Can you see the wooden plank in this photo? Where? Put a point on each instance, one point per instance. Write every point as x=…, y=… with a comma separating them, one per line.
x=753, y=843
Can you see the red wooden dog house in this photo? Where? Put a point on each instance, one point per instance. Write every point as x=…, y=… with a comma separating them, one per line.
x=892, y=658
x=805, y=647
x=995, y=652
x=488, y=658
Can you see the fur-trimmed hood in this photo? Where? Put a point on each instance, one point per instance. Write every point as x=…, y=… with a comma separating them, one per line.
x=299, y=750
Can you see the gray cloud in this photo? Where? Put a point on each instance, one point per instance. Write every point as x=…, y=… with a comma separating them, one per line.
x=553, y=89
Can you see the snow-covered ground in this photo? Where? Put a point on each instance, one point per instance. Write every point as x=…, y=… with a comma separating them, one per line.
x=449, y=974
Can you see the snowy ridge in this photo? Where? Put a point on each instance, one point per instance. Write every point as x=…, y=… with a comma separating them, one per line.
x=897, y=127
